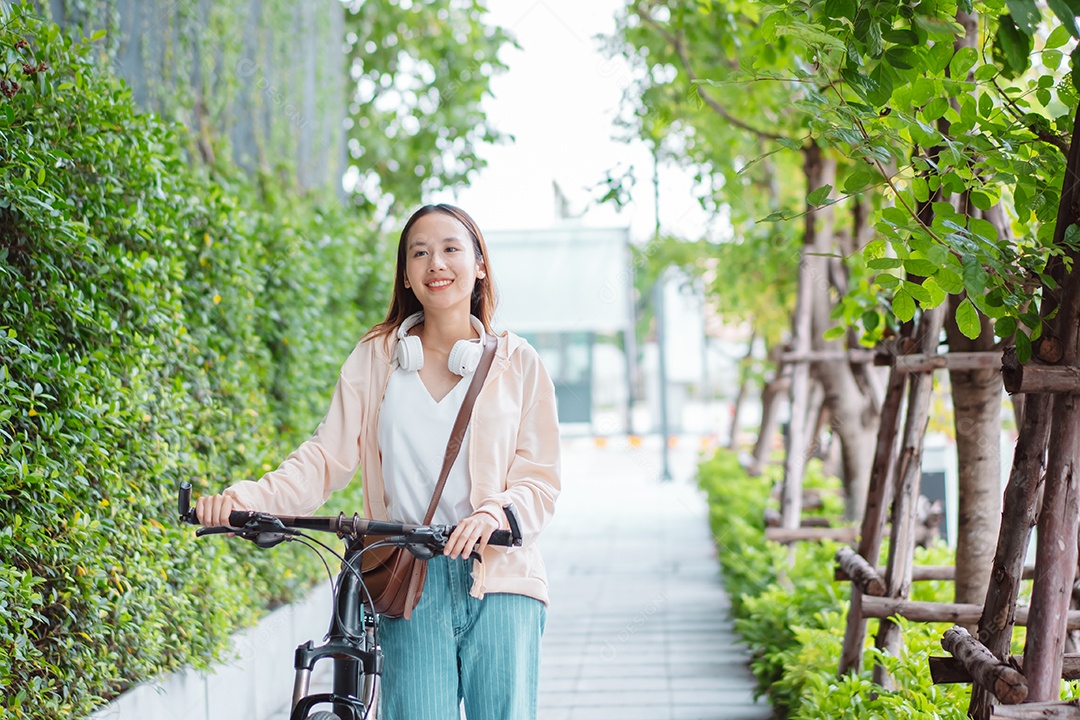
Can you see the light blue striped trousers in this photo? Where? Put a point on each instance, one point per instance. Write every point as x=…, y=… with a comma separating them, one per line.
x=455, y=647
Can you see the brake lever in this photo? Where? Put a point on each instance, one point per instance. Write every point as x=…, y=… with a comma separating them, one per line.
x=216, y=530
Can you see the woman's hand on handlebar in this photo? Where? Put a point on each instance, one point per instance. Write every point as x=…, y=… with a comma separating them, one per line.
x=213, y=510
x=476, y=528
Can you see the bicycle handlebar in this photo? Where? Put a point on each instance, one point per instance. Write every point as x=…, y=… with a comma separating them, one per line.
x=267, y=530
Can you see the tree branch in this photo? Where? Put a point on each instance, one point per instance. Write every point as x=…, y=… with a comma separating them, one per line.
x=675, y=41
x=1047, y=137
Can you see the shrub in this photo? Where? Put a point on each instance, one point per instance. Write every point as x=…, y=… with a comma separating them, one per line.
x=159, y=321
x=793, y=617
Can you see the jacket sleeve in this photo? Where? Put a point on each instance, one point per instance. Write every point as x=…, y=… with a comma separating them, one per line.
x=533, y=480
x=324, y=463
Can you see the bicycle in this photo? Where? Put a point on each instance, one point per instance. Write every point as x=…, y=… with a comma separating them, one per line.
x=352, y=639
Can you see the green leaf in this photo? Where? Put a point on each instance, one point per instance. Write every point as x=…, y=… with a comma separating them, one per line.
x=1004, y=327
x=887, y=280
x=1023, y=346
x=903, y=306
x=1011, y=47
x=908, y=38
x=935, y=109
x=895, y=216
x=902, y=58
x=1074, y=61
x=870, y=320
x=1025, y=13
x=867, y=32
x=984, y=229
x=841, y=9
x=1060, y=35
x=980, y=200
x=834, y=333
x=884, y=263
x=962, y=62
x=967, y=319
x=985, y=72
x=975, y=276
x=918, y=292
x=937, y=295
x=986, y=104
x=819, y=196
x=920, y=189
x=920, y=267
x=863, y=177
x=880, y=90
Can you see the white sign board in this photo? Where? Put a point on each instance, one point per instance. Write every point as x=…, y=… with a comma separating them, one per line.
x=563, y=279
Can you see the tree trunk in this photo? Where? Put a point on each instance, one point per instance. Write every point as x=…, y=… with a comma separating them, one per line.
x=745, y=368
x=976, y=396
x=908, y=475
x=854, y=412
x=771, y=397
x=1056, y=553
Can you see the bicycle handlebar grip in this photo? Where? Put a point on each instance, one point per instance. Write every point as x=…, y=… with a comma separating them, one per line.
x=501, y=537
x=183, y=500
x=239, y=518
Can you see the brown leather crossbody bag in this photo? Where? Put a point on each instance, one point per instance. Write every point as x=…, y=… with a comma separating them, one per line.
x=394, y=577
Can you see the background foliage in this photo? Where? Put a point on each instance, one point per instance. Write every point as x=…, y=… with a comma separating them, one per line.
x=965, y=107
x=792, y=616
x=161, y=319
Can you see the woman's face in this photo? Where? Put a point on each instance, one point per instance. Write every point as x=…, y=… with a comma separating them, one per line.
x=440, y=263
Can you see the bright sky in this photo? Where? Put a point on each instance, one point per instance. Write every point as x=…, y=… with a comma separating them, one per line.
x=559, y=99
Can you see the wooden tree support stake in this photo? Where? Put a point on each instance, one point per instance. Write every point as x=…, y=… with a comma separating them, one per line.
x=861, y=572
x=939, y=572
x=957, y=613
x=774, y=519
x=786, y=535
x=949, y=671
x=852, y=356
x=922, y=362
x=1038, y=378
x=1038, y=711
x=1008, y=685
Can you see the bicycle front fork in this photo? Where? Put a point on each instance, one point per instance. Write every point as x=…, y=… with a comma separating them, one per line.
x=352, y=660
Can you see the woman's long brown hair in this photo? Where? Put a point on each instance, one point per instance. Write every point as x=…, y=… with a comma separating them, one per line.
x=403, y=303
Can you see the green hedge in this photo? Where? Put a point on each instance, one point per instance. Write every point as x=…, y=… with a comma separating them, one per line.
x=793, y=617
x=159, y=321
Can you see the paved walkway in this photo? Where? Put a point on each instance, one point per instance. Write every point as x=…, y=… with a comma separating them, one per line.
x=638, y=625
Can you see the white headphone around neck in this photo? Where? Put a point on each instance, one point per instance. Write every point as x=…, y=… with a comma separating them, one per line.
x=464, y=356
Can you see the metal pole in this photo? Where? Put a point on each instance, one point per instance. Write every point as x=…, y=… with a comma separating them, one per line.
x=665, y=473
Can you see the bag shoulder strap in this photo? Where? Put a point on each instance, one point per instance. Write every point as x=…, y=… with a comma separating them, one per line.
x=457, y=435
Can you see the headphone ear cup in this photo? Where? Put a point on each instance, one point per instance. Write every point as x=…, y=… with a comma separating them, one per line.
x=464, y=357
x=410, y=353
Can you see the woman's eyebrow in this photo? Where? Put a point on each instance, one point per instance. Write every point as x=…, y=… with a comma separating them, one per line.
x=423, y=243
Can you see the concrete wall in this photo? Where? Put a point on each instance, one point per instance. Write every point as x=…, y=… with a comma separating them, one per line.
x=263, y=79
x=256, y=683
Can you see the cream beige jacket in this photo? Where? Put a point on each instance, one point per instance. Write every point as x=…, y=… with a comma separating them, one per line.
x=513, y=455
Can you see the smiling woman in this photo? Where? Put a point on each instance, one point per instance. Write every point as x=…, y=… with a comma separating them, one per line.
x=475, y=634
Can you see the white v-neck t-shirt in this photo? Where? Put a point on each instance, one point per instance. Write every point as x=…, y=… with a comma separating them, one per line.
x=413, y=433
